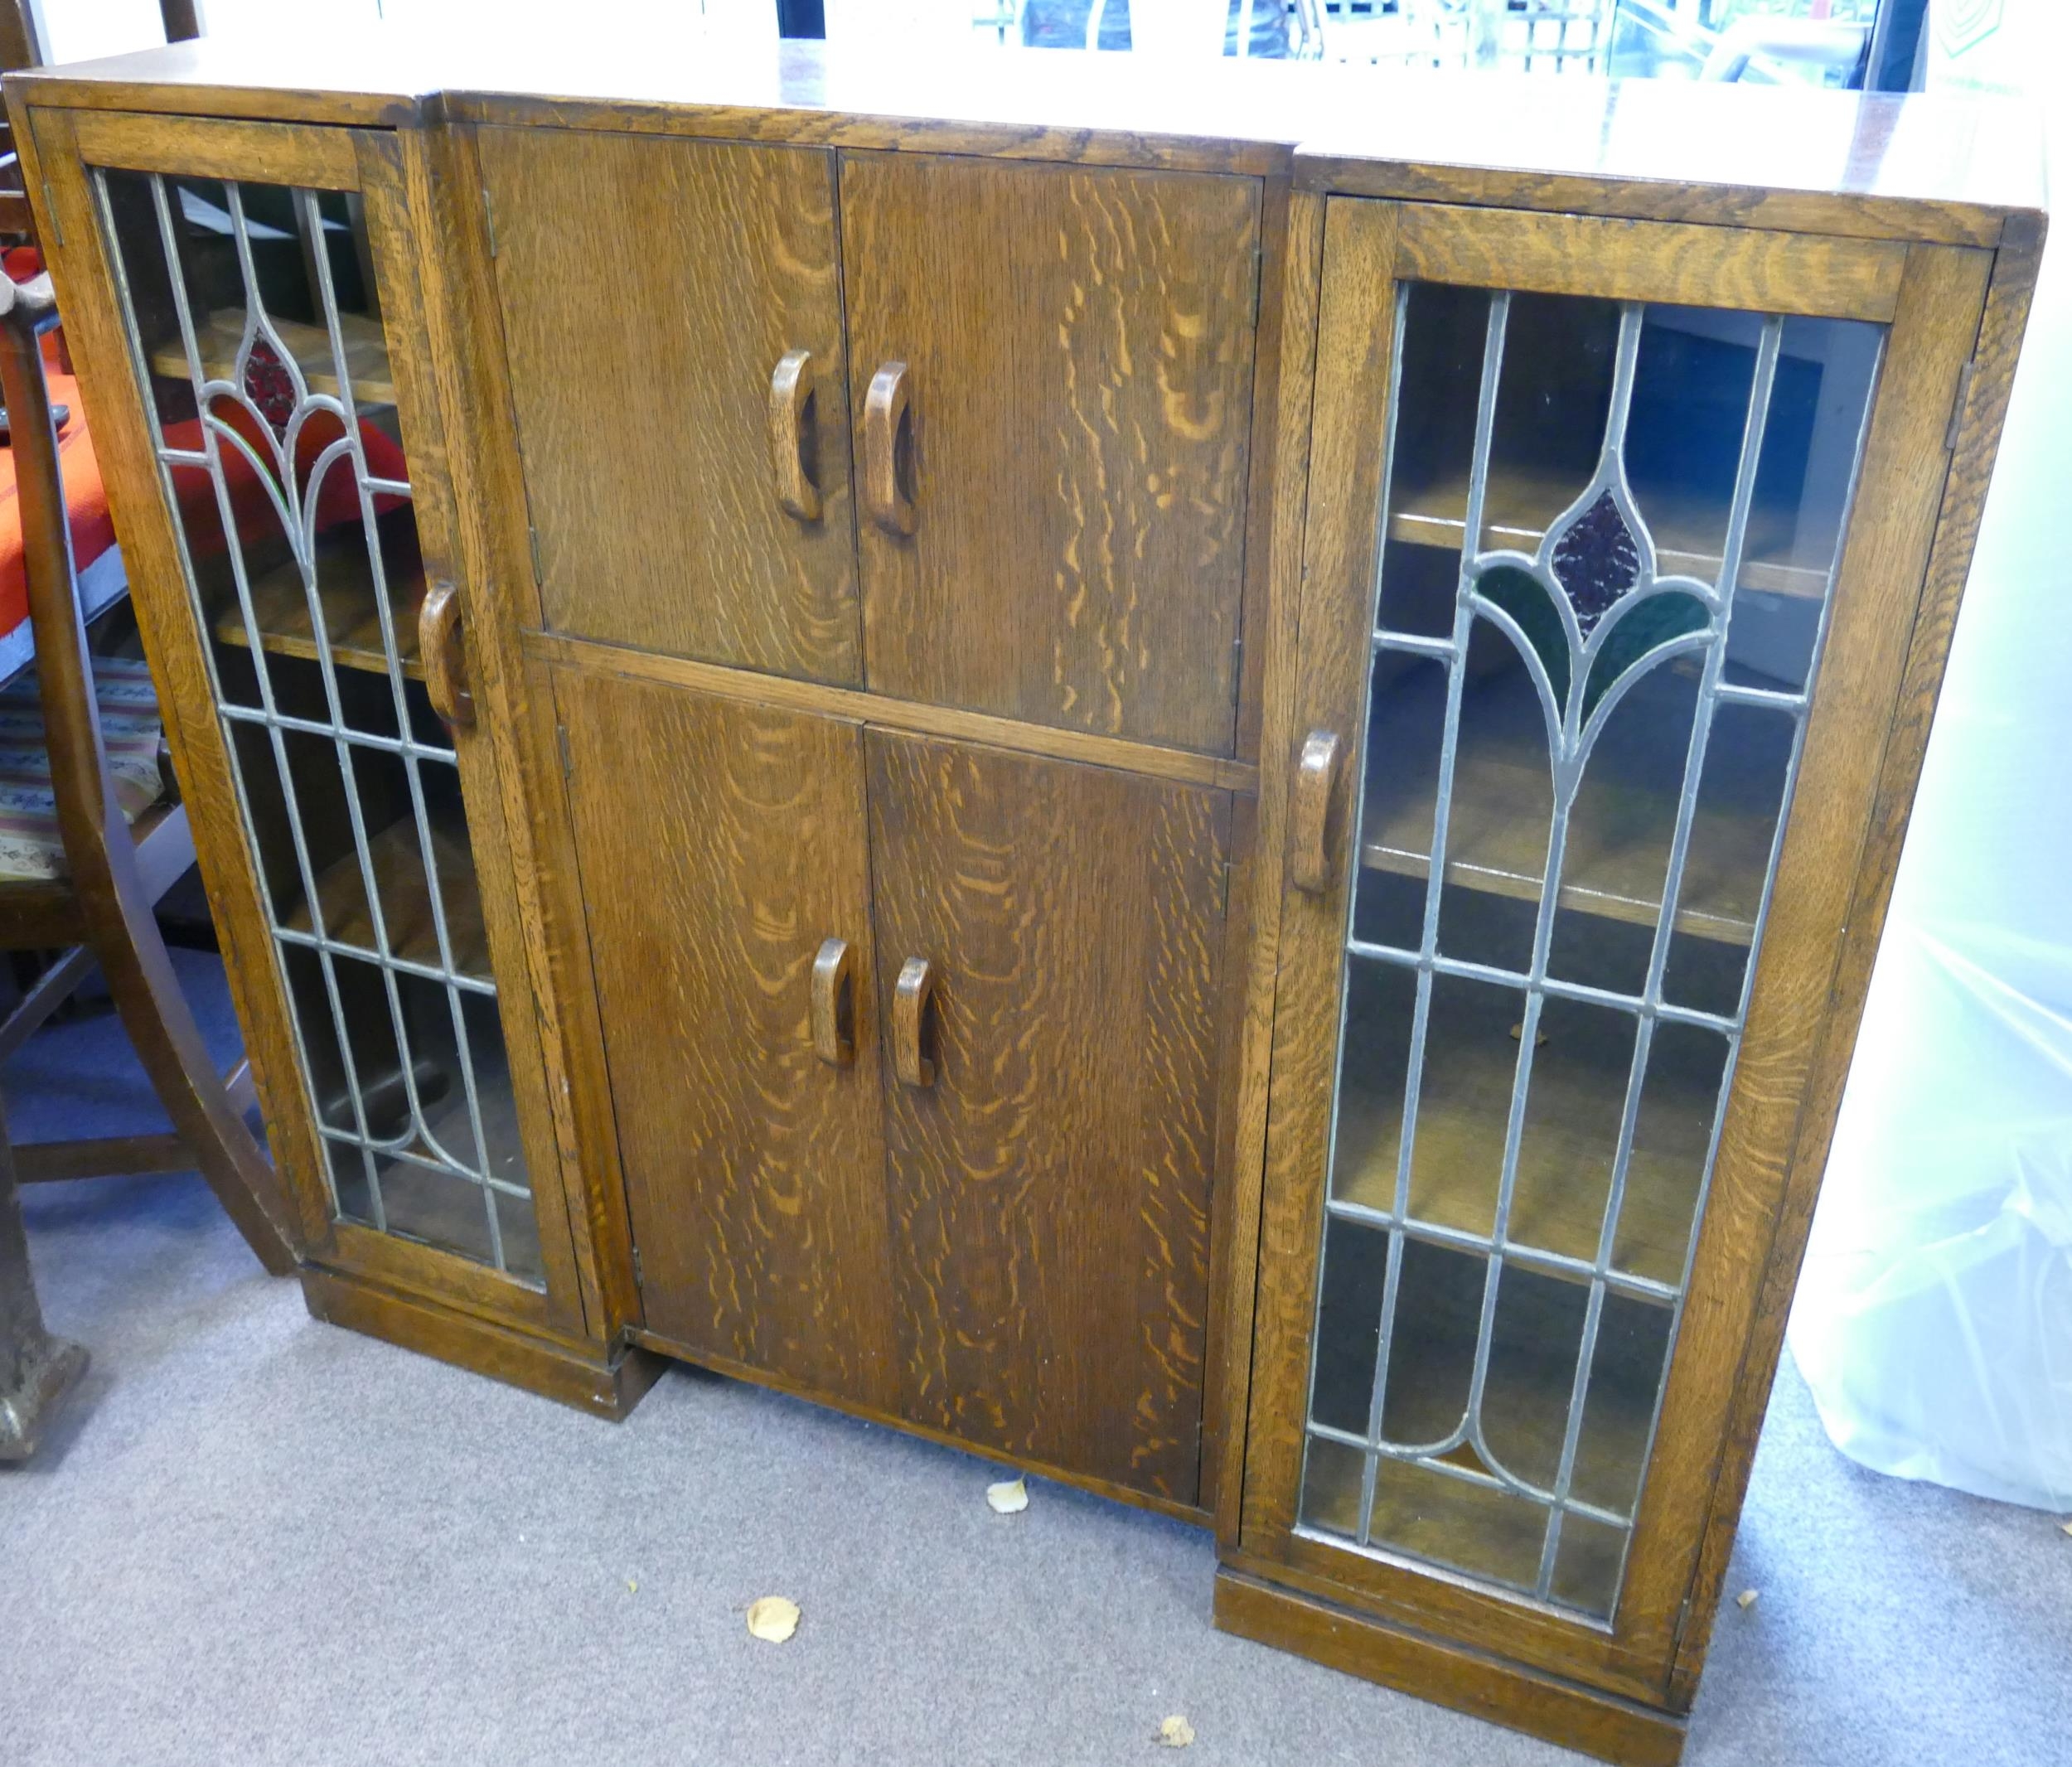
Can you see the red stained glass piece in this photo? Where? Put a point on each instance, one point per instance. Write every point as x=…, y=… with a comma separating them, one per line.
x=269, y=385
x=1596, y=561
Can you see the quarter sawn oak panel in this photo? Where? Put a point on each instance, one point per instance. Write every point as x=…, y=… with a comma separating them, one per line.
x=649, y=290
x=1079, y=349
x=1049, y=1193
x=721, y=846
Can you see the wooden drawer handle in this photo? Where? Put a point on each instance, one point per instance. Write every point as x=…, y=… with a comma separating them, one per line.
x=911, y=997
x=1309, y=813
x=835, y=1003
x=791, y=438
x=889, y=448
x=439, y=648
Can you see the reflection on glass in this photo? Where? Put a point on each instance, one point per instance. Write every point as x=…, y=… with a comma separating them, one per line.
x=1607, y=547
x=255, y=325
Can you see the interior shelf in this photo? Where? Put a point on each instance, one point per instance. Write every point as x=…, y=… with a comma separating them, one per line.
x=1578, y=1091
x=1521, y=503
x=344, y=588
x=1616, y=855
x=406, y=902
x=366, y=353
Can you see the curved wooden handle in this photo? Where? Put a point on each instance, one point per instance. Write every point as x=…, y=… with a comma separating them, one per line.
x=835, y=1003
x=791, y=434
x=911, y=996
x=1309, y=812
x=439, y=648
x=889, y=448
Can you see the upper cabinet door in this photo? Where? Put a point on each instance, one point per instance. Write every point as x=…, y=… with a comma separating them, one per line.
x=1051, y=379
x=1614, y=541
x=1049, y=944
x=672, y=318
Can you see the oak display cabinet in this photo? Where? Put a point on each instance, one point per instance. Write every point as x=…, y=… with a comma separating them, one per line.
x=1195, y=790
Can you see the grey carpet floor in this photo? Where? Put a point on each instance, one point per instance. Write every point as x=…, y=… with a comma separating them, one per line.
x=255, y=1539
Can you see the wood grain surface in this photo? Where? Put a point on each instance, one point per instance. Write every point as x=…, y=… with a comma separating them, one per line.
x=722, y=845
x=1080, y=392
x=1050, y=1192
x=644, y=417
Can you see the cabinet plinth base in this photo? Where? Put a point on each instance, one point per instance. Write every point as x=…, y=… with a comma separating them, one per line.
x=46, y=1377
x=1485, y=1686
x=609, y=1385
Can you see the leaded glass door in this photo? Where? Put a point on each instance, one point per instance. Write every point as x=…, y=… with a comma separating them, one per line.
x=1592, y=618
x=306, y=614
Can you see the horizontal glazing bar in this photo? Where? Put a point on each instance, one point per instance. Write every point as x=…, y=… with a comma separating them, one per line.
x=1728, y=693
x=1579, y=992
x=1467, y=1475
x=1412, y=644
x=1459, y=1239
x=251, y=714
x=401, y=965
x=452, y=1169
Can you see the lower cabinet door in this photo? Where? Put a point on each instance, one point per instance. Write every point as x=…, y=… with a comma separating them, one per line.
x=1051, y=1116
x=728, y=884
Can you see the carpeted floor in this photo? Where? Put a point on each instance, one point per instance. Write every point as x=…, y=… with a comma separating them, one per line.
x=253, y=1538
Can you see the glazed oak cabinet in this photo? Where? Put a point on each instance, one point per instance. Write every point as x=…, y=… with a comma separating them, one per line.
x=1194, y=790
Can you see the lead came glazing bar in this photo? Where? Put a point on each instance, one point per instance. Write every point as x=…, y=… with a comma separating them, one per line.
x=1665, y=922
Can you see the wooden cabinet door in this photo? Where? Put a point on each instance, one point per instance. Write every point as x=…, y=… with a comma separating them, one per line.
x=1586, y=747
x=1049, y=1165
x=1051, y=478
x=249, y=303
x=687, y=473
x=722, y=847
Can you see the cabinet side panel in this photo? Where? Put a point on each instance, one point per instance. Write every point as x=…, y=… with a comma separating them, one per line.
x=721, y=846
x=649, y=290
x=1078, y=346
x=1048, y=1192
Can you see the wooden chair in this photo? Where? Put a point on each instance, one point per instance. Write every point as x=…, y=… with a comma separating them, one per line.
x=99, y=911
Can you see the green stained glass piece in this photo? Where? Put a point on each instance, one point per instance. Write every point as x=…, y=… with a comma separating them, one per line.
x=1643, y=625
x=1522, y=596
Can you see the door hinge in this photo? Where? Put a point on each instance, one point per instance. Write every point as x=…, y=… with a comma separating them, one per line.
x=50, y=208
x=567, y=754
x=489, y=219
x=640, y=1280
x=1965, y=376
x=532, y=540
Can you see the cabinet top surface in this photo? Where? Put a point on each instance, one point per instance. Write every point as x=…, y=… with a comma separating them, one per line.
x=1959, y=164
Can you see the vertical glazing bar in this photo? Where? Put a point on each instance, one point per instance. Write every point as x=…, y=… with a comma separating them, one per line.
x=327, y=299
x=234, y=549
x=1428, y=944
x=1568, y=772
x=303, y=541
x=1762, y=909
x=1752, y=434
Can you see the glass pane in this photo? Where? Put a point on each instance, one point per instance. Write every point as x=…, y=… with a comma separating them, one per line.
x=256, y=328
x=1594, y=641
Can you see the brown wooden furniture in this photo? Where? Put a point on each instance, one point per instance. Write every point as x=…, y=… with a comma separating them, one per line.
x=98, y=913
x=1018, y=673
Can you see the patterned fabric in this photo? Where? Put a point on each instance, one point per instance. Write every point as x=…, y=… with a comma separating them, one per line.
x=130, y=731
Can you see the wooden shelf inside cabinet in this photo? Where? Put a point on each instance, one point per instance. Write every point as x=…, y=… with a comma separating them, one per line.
x=1579, y=1085
x=406, y=902
x=344, y=588
x=366, y=353
x=1498, y=830
x=1522, y=502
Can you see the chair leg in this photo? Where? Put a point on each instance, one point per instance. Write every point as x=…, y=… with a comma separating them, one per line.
x=36, y=1368
x=154, y=1011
